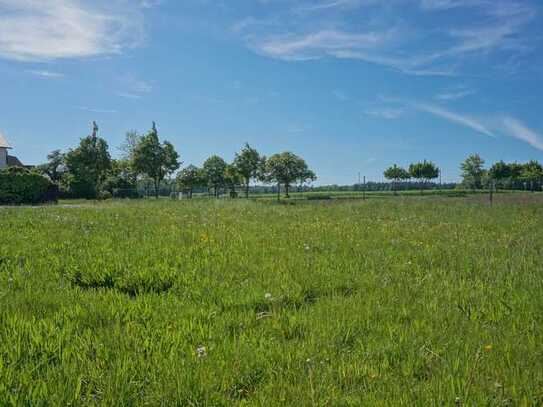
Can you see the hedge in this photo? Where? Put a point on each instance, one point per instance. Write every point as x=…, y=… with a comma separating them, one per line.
x=21, y=186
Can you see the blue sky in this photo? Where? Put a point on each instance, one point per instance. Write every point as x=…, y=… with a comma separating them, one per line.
x=351, y=85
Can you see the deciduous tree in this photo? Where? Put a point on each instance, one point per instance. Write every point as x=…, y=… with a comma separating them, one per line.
x=286, y=169
x=473, y=171
x=424, y=172
x=190, y=178
x=396, y=174
x=247, y=163
x=55, y=166
x=88, y=165
x=214, y=171
x=154, y=159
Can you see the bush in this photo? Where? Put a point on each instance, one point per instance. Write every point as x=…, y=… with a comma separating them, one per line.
x=78, y=187
x=20, y=186
x=127, y=193
x=318, y=197
x=104, y=195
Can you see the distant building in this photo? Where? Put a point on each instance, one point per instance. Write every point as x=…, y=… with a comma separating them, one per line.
x=7, y=160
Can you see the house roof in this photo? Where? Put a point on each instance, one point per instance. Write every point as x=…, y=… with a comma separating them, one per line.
x=14, y=161
x=3, y=141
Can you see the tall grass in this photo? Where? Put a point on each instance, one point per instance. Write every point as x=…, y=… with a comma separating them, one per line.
x=405, y=301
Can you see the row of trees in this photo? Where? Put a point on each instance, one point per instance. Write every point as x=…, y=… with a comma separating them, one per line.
x=88, y=171
x=284, y=169
x=501, y=174
x=423, y=172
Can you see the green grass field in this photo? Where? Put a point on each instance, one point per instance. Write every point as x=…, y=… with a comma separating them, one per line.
x=406, y=301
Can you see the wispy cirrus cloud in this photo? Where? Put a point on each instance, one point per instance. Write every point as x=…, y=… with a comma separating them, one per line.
x=502, y=124
x=457, y=118
x=95, y=110
x=379, y=39
x=318, y=44
x=45, y=74
x=515, y=128
x=386, y=113
x=454, y=94
x=39, y=30
x=133, y=87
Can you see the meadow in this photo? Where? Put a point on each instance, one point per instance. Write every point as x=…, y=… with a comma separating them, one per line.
x=399, y=301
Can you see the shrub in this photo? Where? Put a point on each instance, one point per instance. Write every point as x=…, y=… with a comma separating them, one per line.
x=20, y=186
x=318, y=197
x=78, y=187
x=104, y=195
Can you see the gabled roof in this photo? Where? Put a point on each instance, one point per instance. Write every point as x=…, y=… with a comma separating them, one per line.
x=3, y=142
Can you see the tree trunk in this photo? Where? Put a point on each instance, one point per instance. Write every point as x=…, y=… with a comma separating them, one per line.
x=278, y=191
x=287, y=188
x=157, y=186
x=247, y=188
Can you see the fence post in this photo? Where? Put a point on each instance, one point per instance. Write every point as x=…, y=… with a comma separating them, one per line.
x=491, y=197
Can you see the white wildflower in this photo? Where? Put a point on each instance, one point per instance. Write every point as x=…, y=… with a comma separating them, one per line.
x=201, y=351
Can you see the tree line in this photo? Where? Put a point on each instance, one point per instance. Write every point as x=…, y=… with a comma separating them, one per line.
x=475, y=176
x=88, y=171
x=424, y=172
x=501, y=174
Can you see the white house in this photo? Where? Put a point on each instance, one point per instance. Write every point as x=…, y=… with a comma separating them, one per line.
x=7, y=160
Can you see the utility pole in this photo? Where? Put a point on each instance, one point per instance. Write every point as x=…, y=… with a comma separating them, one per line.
x=364, y=189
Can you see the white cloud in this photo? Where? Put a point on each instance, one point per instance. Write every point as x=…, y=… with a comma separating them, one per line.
x=95, y=110
x=380, y=39
x=46, y=74
x=452, y=117
x=516, y=129
x=36, y=30
x=318, y=44
x=387, y=114
x=340, y=95
x=128, y=95
x=449, y=4
x=334, y=4
x=454, y=94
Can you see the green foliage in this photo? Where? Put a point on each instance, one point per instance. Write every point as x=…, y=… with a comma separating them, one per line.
x=55, y=166
x=473, y=172
x=87, y=167
x=128, y=147
x=532, y=172
x=500, y=171
x=190, y=178
x=153, y=159
x=121, y=180
x=396, y=174
x=286, y=169
x=232, y=178
x=516, y=176
x=247, y=163
x=214, y=170
x=424, y=171
x=20, y=186
x=412, y=302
